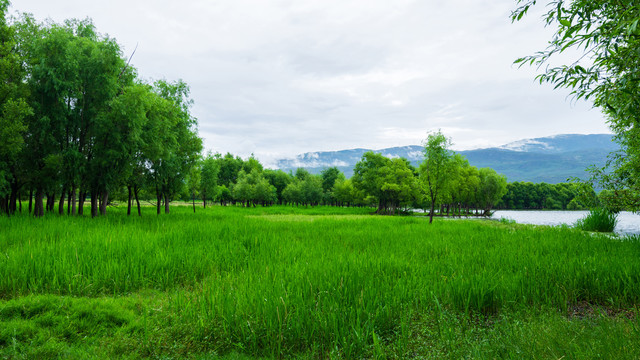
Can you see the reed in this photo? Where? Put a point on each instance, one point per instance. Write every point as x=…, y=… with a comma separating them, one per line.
x=599, y=220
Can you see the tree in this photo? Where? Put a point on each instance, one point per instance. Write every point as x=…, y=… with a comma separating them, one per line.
x=329, y=178
x=229, y=168
x=606, y=37
x=366, y=176
x=193, y=183
x=492, y=187
x=302, y=173
x=172, y=142
x=209, y=178
x=399, y=185
x=223, y=194
x=312, y=189
x=263, y=191
x=14, y=111
x=279, y=179
x=435, y=166
x=390, y=182
x=342, y=192
x=242, y=190
x=292, y=193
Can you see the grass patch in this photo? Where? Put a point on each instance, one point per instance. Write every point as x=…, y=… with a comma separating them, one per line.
x=598, y=220
x=310, y=283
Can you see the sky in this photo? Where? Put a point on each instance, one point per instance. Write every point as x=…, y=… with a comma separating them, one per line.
x=278, y=78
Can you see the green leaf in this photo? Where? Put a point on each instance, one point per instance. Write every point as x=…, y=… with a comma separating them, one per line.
x=565, y=22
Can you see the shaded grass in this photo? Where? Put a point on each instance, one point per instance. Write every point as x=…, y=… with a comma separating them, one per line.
x=316, y=282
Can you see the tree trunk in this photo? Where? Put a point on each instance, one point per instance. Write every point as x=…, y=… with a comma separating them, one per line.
x=104, y=200
x=4, y=205
x=159, y=196
x=19, y=203
x=11, y=208
x=38, y=210
x=46, y=204
x=431, y=212
x=135, y=193
x=94, y=203
x=166, y=203
x=61, y=203
x=129, y=200
x=194, y=203
x=81, y=196
x=30, y=200
x=69, y=202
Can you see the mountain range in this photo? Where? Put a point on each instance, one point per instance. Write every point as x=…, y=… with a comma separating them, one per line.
x=550, y=159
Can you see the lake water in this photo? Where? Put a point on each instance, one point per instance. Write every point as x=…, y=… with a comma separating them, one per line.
x=628, y=223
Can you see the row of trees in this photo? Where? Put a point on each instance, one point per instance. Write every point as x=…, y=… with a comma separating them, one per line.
x=228, y=179
x=444, y=182
x=76, y=122
x=530, y=196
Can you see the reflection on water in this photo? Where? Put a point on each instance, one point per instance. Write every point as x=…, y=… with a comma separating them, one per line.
x=628, y=223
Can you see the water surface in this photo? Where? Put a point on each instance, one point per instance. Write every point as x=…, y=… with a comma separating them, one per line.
x=628, y=222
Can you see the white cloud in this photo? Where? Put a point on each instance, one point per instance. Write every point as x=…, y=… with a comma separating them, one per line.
x=282, y=77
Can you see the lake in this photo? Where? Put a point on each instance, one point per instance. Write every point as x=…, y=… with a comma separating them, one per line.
x=628, y=222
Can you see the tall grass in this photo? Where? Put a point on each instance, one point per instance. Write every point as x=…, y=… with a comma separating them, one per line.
x=268, y=282
x=599, y=220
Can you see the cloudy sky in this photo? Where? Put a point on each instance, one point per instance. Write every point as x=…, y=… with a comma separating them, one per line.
x=283, y=77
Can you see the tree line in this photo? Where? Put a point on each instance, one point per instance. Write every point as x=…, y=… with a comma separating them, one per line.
x=444, y=183
x=77, y=123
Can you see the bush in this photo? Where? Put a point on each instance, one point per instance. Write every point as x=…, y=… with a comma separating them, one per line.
x=598, y=219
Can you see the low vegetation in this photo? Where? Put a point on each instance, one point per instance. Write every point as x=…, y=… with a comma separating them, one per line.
x=311, y=283
x=598, y=219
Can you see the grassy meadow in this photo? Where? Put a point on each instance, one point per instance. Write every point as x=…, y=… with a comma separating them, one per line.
x=287, y=282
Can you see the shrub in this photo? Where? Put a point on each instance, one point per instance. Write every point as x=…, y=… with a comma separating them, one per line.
x=598, y=219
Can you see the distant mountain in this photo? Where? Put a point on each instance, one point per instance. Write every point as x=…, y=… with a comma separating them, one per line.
x=550, y=159
x=563, y=143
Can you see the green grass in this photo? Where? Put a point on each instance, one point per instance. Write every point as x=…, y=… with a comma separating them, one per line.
x=311, y=283
x=599, y=220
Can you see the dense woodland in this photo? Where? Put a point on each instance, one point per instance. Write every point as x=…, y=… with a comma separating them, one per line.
x=78, y=125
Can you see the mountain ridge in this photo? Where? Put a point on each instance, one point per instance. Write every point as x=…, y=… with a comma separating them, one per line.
x=549, y=159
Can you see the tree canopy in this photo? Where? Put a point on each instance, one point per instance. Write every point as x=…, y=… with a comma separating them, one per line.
x=76, y=122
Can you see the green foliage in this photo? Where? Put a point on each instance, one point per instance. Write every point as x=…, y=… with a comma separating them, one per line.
x=434, y=170
x=223, y=194
x=279, y=179
x=14, y=109
x=292, y=193
x=229, y=168
x=604, y=37
x=562, y=196
x=329, y=177
x=210, y=169
x=75, y=121
x=254, y=188
x=598, y=219
x=491, y=189
x=343, y=192
x=391, y=182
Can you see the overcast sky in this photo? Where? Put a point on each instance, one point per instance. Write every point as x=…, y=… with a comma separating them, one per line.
x=280, y=78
